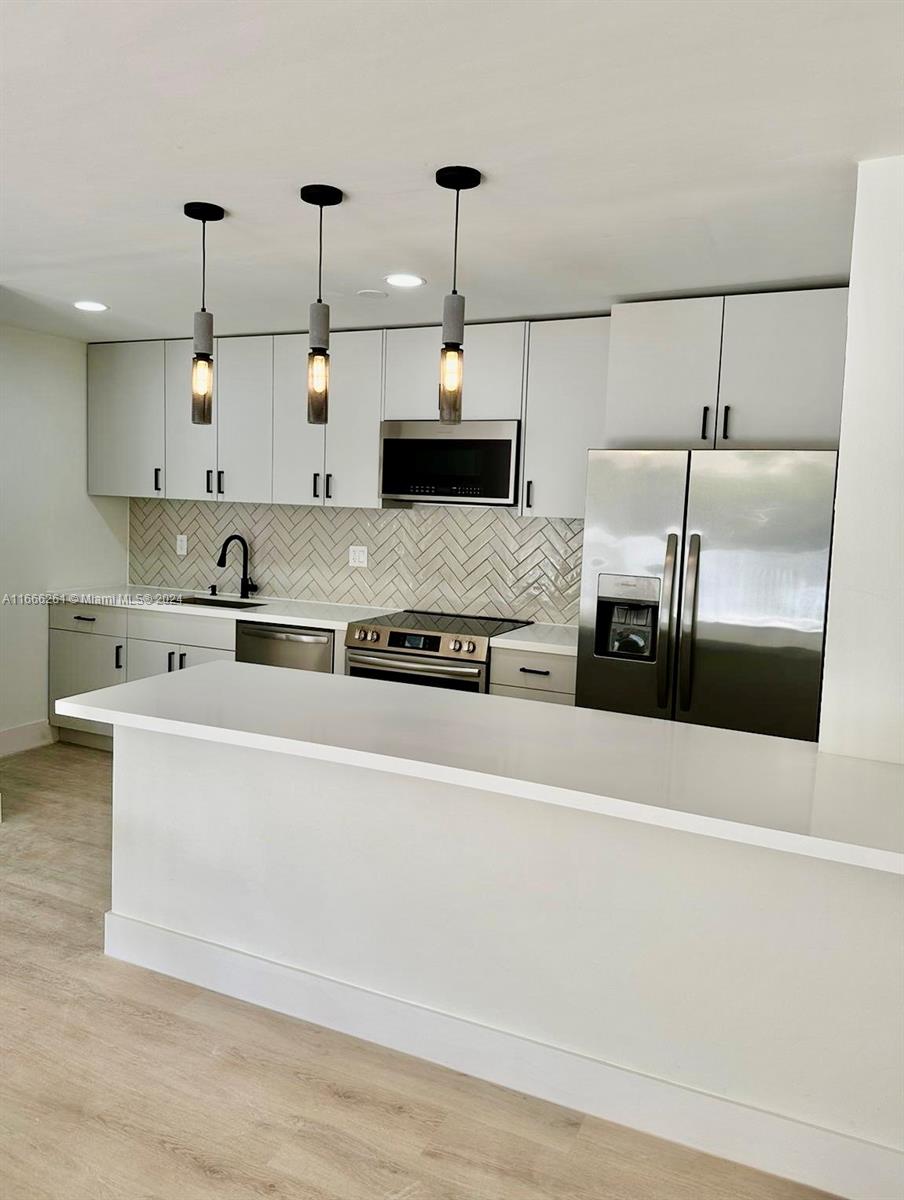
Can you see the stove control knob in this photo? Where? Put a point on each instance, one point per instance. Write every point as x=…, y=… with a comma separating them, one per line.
x=456, y=645
x=374, y=636
x=361, y=635
x=470, y=647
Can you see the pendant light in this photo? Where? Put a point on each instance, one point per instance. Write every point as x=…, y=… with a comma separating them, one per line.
x=451, y=357
x=322, y=195
x=202, y=362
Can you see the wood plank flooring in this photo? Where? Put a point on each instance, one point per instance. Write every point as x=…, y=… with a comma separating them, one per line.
x=119, y=1084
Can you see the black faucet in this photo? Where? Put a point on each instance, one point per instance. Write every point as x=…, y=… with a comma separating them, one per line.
x=248, y=584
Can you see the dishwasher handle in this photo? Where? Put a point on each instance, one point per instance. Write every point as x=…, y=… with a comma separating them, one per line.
x=277, y=635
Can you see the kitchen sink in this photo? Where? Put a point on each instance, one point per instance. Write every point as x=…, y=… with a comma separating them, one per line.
x=217, y=602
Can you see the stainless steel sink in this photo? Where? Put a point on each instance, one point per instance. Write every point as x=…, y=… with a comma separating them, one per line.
x=218, y=602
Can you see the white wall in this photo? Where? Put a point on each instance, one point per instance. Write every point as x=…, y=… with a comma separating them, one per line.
x=863, y=691
x=53, y=535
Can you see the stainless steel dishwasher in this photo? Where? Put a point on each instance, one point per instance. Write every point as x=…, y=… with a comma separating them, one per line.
x=284, y=646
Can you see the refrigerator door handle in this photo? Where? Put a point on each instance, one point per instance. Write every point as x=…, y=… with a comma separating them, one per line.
x=664, y=634
x=688, y=623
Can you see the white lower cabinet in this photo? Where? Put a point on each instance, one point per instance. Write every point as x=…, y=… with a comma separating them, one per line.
x=533, y=675
x=83, y=662
x=157, y=658
x=522, y=693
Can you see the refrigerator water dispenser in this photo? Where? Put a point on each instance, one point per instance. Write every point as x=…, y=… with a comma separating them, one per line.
x=627, y=614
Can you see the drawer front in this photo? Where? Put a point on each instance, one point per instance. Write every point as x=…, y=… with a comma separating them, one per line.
x=218, y=633
x=89, y=618
x=522, y=693
x=533, y=669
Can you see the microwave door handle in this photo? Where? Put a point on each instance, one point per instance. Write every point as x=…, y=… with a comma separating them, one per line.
x=664, y=635
x=688, y=623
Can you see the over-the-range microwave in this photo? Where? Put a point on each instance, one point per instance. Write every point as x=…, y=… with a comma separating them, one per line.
x=474, y=462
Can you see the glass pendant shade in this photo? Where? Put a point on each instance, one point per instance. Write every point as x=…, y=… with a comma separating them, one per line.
x=451, y=362
x=202, y=370
x=319, y=364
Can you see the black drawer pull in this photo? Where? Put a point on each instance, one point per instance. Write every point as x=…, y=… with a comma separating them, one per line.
x=221, y=482
x=529, y=498
x=84, y=618
x=316, y=485
x=117, y=658
x=725, y=422
x=157, y=487
x=705, y=423
x=209, y=485
x=182, y=658
x=532, y=671
x=329, y=487
x=171, y=661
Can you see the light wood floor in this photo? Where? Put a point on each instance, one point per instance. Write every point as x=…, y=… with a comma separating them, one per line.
x=119, y=1084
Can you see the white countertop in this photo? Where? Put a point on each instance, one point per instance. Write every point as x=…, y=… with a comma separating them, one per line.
x=551, y=639
x=270, y=609
x=769, y=792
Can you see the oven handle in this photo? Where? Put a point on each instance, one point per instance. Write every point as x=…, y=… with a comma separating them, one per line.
x=414, y=666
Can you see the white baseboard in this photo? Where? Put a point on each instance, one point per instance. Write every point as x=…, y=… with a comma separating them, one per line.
x=811, y=1155
x=26, y=737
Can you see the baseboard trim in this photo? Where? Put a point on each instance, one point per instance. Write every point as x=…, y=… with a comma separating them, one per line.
x=26, y=737
x=84, y=737
x=811, y=1155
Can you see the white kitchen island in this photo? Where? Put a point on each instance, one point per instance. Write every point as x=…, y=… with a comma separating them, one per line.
x=690, y=931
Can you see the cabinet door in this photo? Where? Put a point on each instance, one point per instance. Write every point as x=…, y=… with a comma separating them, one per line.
x=298, y=447
x=565, y=416
x=353, y=432
x=191, y=450
x=244, y=369
x=151, y=658
x=126, y=419
x=663, y=374
x=782, y=370
x=493, y=373
x=193, y=656
x=83, y=662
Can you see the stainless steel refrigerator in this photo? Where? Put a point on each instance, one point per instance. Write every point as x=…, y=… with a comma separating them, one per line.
x=703, y=588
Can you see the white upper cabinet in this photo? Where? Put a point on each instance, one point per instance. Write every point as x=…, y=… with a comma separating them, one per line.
x=782, y=370
x=565, y=416
x=353, y=433
x=664, y=374
x=126, y=453
x=191, y=450
x=298, y=447
x=493, y=373
x=244, y=372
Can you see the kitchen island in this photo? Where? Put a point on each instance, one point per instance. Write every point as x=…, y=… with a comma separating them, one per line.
x=585, y=906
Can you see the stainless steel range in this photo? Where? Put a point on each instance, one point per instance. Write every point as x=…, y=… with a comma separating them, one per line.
x=436, y=649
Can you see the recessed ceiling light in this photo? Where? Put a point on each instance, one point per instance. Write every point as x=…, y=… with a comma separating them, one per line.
x=371, y=294
x=90, y=306
x=402, y=280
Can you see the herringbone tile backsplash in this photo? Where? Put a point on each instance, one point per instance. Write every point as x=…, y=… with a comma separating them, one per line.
x=453, y=560
x=484, y=561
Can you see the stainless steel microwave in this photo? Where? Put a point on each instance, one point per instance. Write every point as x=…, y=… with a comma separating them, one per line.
x=475, y=462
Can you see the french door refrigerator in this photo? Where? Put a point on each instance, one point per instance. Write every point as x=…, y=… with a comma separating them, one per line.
x=703, y=588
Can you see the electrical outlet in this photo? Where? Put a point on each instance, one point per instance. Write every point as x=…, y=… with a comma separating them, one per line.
x=181, y=543
x=357, y=556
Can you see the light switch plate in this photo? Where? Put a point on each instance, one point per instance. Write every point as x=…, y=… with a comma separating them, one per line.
x=357, y=556
x=181, y=543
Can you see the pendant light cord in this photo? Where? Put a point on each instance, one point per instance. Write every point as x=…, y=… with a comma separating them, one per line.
x=203, y=266
x=455, y=248
x=320, y=261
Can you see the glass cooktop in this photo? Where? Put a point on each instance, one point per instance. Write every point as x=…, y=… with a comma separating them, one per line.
x=460, y=624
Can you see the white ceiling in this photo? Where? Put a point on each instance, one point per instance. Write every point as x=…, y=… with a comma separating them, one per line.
x=631, y=147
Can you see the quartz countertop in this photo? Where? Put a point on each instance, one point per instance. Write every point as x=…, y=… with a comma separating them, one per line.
x=768, y=792
x=551, y=639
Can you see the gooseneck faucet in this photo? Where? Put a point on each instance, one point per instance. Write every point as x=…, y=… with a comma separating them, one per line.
x=248, y=584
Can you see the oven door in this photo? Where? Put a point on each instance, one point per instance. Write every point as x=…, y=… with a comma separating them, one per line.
x=429, y=672
x=475, y=462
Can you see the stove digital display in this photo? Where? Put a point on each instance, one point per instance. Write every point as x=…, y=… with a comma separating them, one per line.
x=414, y=641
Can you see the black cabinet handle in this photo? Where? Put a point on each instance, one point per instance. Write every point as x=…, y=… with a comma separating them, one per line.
x=157, y=473
x=725, y=422
x=329, y=487
x=529, y=498
x=171, y=661
x=84, y=618
x=221, y=482
x=703, y=437
x=532, y=671
x=209, y=484
x=117, y=658
x=182, y=657
x=316, y=485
